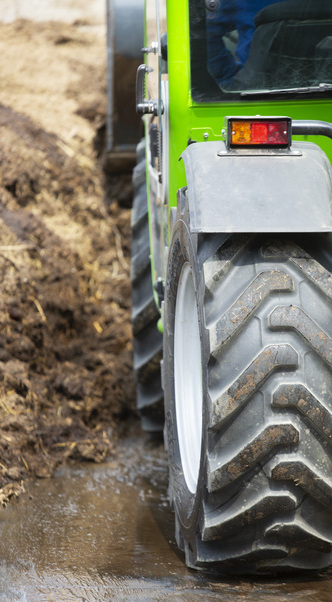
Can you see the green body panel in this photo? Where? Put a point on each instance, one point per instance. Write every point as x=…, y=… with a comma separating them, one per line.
x=190, y=120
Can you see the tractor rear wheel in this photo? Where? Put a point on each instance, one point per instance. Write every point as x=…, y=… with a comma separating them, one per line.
x=145, y=315
x=248, y=404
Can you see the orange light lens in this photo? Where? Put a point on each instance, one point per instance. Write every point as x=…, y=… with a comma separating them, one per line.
x=241, y=132
x=259, y=133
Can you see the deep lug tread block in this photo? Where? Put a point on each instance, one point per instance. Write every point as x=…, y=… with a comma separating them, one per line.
x=268, y=441
x=140, y=213
x=149, y=395
x=310, y=268
x=140, y=263
x=151, y=365
x=220, y=263
x=299, y=534
x=220, y=524
x=151, y=423
x=294, y=318
x=272, y=358
x=307, y=404
x=144, y=315
x=239, y=558
x=306, y=477
x=264, y=285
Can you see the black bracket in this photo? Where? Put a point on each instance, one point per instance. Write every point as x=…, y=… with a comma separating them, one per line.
x=160, y=290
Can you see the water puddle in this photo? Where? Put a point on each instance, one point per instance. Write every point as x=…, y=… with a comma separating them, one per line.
x=96, y=533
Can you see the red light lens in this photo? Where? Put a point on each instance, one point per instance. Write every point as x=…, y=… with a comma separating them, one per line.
x=277, y=133
x=259, y=133
x=252, y=132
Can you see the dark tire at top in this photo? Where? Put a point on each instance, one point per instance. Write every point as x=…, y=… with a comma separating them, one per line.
x=145, y=315
x=254, y=494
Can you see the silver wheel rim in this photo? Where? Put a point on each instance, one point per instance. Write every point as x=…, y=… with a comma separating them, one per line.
x=188, y=378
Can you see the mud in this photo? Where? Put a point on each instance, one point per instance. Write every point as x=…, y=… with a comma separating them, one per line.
x=105, y=532
x=65, y=336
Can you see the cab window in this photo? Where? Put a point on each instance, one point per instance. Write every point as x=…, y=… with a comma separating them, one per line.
x=240, y=47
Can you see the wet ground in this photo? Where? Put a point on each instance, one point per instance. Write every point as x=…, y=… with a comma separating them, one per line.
x=95, y=533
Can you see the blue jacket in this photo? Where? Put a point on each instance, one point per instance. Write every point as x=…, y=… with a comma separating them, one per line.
x=231, y=15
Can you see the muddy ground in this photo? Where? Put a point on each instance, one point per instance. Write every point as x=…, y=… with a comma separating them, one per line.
x=66, y=377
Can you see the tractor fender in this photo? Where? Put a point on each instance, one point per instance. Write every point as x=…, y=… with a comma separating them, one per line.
x=128, y=18
x=125, y=39
x=258, y=190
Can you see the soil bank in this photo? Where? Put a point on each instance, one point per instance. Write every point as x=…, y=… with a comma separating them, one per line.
x=65, y=336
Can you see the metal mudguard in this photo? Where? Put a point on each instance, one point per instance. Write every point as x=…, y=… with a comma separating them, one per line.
x=258, y=191
x=125, y=39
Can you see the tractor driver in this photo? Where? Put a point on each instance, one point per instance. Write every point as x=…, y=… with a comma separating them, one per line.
x=230, y=16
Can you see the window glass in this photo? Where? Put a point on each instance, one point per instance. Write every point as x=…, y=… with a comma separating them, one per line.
x=239, y=47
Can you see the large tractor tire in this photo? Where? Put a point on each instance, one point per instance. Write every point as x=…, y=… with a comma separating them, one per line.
x=248, y=399
x=145, y=315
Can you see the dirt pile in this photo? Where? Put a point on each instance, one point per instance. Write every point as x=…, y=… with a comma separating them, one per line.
x=65, y=335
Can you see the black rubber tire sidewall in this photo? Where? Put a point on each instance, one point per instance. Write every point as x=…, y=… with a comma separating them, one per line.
x=186, y=504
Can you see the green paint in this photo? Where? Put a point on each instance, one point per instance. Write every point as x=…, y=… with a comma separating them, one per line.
x=190, y=120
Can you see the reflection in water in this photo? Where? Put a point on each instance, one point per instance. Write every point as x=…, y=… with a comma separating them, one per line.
x=106, y=533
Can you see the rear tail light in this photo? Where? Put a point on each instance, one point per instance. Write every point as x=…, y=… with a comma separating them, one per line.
x=259, y=132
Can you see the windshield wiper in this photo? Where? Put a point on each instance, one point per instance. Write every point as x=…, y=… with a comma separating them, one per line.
x=307, y=90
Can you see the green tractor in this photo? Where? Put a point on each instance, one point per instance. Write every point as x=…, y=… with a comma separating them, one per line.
x=231, y=275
